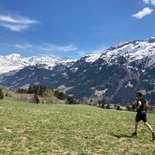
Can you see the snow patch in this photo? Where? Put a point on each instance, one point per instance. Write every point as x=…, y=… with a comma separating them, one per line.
x=100, y=92
x=92, y=57
x=129, y=85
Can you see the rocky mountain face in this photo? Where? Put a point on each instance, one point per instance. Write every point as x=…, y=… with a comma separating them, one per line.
x=116, y=74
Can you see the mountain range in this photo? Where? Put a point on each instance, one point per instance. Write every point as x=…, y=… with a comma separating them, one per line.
x=114, y=74
x=15, y=62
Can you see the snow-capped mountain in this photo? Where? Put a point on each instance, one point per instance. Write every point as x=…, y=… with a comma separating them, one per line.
x=114, y=74
x=132, y=51
x=135, y=51
x=15, y=62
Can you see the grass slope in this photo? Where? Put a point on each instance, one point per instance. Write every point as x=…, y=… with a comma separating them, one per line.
x=70, y=129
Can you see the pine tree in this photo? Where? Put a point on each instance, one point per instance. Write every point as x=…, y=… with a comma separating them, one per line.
x=36, y=98
x=70, y=100
x=30, y=89
x=1, y=94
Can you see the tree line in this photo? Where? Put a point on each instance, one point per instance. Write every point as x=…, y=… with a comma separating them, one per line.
x=1, y=94
x=43, y=91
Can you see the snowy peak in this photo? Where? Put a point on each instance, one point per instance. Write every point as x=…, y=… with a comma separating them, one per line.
x=92, y=57
x=151, y=40
x=133, y=51
x=138, y=51
x=14, y=62
x=133, y=48
x=13, y=56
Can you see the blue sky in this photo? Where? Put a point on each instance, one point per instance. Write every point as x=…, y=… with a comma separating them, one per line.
x=72, y=28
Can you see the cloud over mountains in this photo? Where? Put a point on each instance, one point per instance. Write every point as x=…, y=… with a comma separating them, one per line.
x=16, y=23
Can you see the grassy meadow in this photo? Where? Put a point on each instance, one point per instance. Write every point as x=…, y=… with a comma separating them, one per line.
x=70, y=129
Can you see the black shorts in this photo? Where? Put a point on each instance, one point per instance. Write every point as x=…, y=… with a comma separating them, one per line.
x=141, y=116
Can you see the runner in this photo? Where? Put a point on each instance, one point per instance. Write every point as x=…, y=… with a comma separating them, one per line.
x=141, y=107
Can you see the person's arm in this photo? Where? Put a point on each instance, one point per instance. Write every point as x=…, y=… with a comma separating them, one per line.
x=138, y=105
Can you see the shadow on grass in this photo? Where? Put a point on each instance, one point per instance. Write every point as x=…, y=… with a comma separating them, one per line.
x=121, y=135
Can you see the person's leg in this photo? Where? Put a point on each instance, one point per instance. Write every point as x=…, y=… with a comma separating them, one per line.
x=137, y=119
x=136, y=128
x=150, y=128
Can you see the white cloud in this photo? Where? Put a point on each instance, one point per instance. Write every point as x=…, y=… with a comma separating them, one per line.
x=24, y=46
x=146, y=1
x=15, y=27
x=149, y=2
x=45, y=47
x=53, y=47
x=146, y=11
x=16, y=23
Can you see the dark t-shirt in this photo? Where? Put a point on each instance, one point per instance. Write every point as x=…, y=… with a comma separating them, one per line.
x=141, y=112
x=142, y=108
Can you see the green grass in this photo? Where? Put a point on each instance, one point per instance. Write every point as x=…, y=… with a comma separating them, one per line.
x=70, y=129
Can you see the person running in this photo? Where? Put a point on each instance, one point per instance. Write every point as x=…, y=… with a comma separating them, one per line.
x=141, y=107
